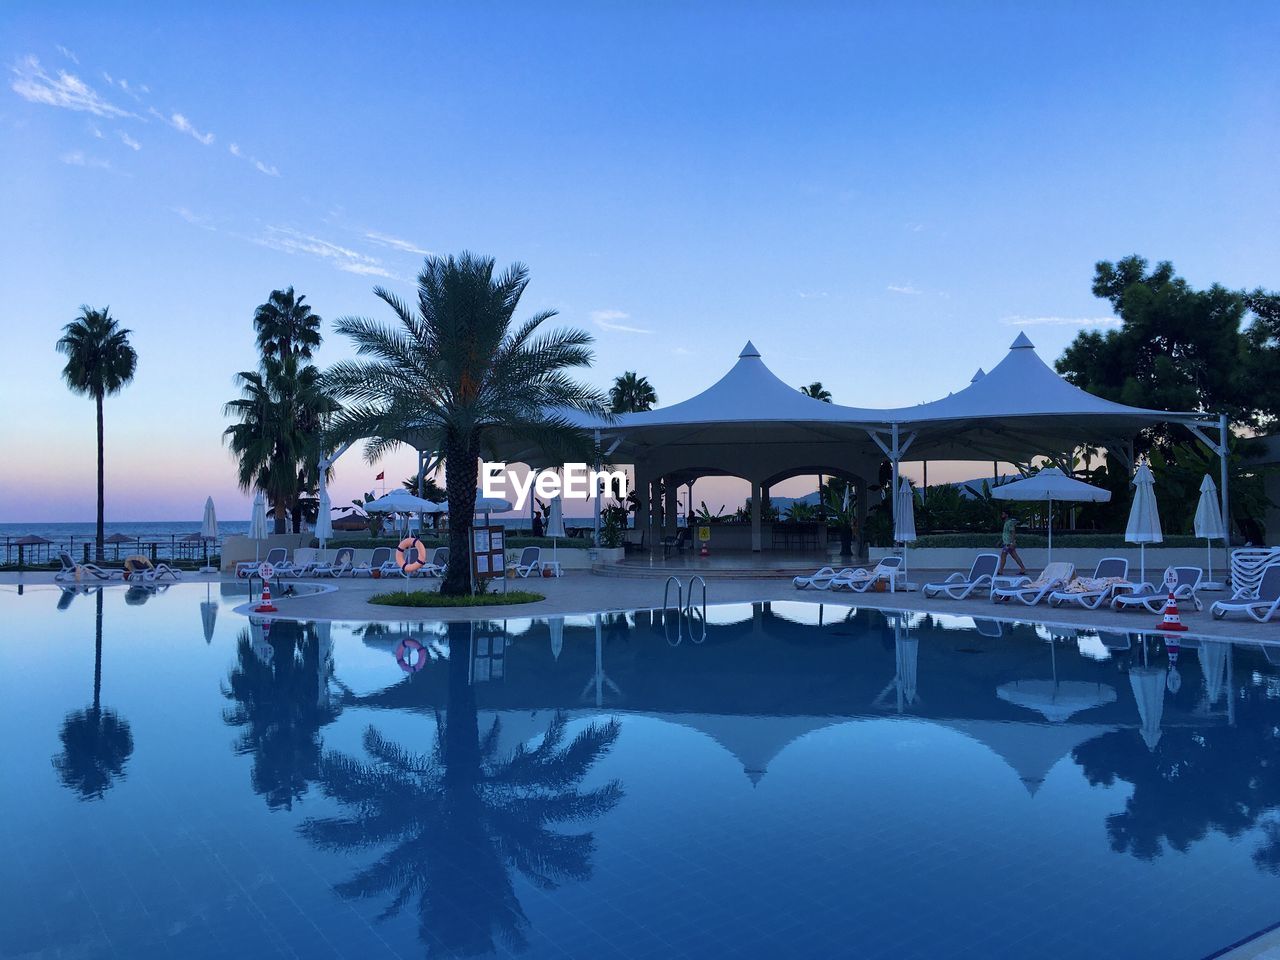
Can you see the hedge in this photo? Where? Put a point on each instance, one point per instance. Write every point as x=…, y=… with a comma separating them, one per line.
x=364, y=543
x=1065, y=540
x=430, y=598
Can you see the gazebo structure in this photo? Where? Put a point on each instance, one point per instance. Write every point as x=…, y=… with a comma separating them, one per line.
x=752, y=425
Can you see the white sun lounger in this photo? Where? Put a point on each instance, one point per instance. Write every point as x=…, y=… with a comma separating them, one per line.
x=1054, y=576
x=376, y=561
x=821, y=579
x=860, y=581
x=69, y=568
x=958, y=585
x=340, y=564
x=1113, y=570
x=530, y=560
x=1261, y=606
x=435, y=567
x=157, y=573
x=1153, y=597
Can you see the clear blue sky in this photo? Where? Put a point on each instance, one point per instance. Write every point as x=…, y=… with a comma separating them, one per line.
x=877, y=195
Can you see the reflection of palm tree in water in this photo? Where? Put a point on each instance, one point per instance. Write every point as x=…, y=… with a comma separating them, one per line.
x=460, y=818
x=96, y=742
x=281, y=700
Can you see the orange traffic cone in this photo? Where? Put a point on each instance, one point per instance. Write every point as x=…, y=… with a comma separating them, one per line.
x=705, y=552
x=266, y=606
x=1171, y=620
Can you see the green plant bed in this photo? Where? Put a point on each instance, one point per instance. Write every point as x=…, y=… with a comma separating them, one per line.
x=1065, y=541
x=430, y=598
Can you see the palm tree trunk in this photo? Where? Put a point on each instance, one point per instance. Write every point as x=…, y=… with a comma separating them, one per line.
x=100, y=547
x=461, y=475
x=97, y=655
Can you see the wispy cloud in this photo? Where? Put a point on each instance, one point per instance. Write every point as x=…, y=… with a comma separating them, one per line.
x=194, y=219
x=289, y=240
x=813, y=294
x=128, y=141
x=682, y=351
x=611, y=320
x=270, y=169
x=395, y=243
x=77, y=158
x=97, y=132
x=183, y=125
x=903, y=288
x=68, y=54
x=66, y=90
x=1020, y=321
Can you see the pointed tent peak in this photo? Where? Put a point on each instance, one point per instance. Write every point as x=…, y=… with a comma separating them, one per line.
x=1022, y=342
x=978, y=376
x=749, y=351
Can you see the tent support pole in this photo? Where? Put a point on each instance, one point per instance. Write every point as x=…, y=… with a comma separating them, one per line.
x=1223, y=434
x=893, y=492
x=595, y=509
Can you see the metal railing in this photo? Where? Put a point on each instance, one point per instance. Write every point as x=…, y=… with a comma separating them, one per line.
x=684, y=611
x=168, y=547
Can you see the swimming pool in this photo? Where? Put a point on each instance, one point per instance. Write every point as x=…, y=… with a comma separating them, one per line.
x=785, y=780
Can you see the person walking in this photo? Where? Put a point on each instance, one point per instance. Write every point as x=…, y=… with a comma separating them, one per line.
x=1009, y=543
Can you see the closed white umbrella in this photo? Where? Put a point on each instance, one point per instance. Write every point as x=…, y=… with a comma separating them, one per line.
x=555, y=527
x=904, y=518
x=1208, y=524
x=208, y=531
x=1051, y=484
x=324, y=517
x=258, y=523
x=1144, y=517
x=208, y=615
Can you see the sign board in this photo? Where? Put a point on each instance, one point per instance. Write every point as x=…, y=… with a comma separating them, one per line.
x=704, y=533
x=488, y=552
x=1170, y=579
x=266, y=571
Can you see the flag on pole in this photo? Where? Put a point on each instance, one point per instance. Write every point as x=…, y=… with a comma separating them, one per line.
x=381, y=475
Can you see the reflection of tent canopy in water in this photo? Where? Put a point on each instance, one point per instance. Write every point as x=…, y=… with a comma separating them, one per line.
x=754, y=741
x=1031, y=749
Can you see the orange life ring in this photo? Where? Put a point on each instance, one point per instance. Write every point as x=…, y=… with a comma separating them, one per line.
x=411, y=655
x=407, y=544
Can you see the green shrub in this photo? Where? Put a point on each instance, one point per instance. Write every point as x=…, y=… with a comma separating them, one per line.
x=1063, y=540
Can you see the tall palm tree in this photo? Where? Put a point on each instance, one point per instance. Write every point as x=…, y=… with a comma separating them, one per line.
x=286, y=326
x=100, y=362
x=453, y=370
x=458, y=821
x=817, y=391
x=97, y=742
x=632, y=394
x=280, y=417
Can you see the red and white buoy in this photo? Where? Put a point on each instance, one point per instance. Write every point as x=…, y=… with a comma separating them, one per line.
x=266, y=571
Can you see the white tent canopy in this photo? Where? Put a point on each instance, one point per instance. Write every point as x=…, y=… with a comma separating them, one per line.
x=752, y=424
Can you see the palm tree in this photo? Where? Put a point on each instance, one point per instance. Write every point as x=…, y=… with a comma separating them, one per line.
x=452, y=371
x=459, y=820
x=817, y=391
x=96, y=743
x=286, y=326
x=280, y=692
x=100, y=362
x=631, y=394
x=280, y=416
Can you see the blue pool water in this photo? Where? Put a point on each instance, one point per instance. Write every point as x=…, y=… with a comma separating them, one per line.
x=797, y=781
